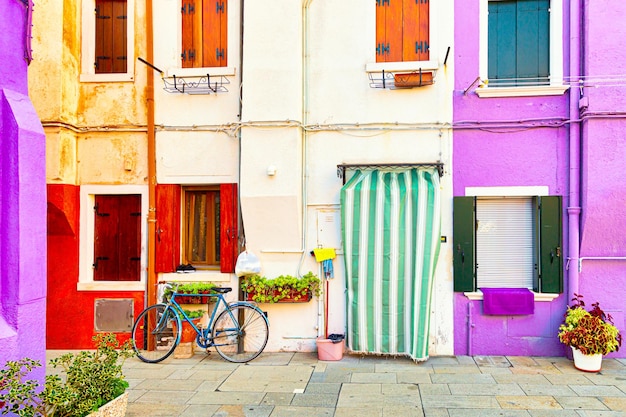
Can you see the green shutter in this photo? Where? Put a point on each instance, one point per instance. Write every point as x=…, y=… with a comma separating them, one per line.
x=533, y=40
x=550, y=245
x=519, y=41
x=464, y=230
x=502, y=38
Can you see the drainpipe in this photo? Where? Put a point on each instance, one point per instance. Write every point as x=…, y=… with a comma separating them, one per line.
x=305, y=120
x=151, y=281
x=573, y=211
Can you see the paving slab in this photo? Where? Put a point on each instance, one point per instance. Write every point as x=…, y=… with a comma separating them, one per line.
x=287, y=384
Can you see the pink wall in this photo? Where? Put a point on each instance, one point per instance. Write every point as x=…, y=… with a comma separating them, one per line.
x=22, y=200
x=527, y=143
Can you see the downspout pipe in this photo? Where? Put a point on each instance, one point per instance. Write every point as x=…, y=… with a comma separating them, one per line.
x=574, y=209
x=151, y=280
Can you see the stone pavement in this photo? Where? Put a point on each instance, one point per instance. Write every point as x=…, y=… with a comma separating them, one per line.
x=298, y=385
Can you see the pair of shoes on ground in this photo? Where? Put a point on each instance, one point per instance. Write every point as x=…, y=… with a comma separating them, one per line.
x=185, y=269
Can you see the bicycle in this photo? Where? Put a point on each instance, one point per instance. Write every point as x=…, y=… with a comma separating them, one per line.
x=239, y=332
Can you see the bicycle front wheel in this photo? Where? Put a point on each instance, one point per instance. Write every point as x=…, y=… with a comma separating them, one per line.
x=240, y=333
x=155, y=333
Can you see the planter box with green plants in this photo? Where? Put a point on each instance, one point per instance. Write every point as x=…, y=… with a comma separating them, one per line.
x=191, y=288
x=93, y=381
x=282, y=289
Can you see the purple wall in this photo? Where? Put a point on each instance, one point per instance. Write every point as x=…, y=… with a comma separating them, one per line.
x=22, y=200
x=527, y=143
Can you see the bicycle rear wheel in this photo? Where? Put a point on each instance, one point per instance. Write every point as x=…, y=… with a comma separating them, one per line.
x=240, y=333
x=154, y=336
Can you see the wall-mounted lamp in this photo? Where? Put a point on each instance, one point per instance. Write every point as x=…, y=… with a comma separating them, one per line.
x=271, y=170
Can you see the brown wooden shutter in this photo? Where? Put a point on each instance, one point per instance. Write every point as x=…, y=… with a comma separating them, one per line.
x=167, y=227
x=214, y=32
x=188, y=53
x=402, y=30
x=117, y=237
x=416, y=27
x=111, y=24
x=229, y=236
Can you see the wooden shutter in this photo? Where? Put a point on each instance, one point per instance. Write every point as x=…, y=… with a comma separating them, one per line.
x=415, y=36
x=550, y=244
x=533, y=41
x=388, y=30
x=519, y=41
x=188, y=53
x=502, y=40
x=111, y=23
x=117, y=237
x=204, y=33
x=167, y=227
x=464, y=227
x=214, y=30
x=402, y=30
x=229, y=236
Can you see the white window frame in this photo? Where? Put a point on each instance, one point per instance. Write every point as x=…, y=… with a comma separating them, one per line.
x=88, y=41
x=556, y=86
x=87, y=236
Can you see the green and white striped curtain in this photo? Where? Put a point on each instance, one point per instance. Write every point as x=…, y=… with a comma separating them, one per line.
x=391, y=234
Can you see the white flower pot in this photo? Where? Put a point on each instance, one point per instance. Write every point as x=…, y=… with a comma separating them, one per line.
x=587, y=363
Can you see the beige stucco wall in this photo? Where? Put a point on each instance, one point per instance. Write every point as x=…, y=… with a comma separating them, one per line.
x=300, y=103
x=95, y=131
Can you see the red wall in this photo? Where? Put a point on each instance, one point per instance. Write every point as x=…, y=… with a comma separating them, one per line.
x=70, y=313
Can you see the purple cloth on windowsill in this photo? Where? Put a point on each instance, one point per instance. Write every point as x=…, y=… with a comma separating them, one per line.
x=508, y=301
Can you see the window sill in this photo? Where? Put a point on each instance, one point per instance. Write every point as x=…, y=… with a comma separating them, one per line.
x=539, y=297
x=546, y=90
x=210, y=276
x=401, y=66
x=200, y=72
x=111, y=286
x=106, y=78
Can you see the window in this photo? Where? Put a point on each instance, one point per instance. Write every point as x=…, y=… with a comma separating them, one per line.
x=208, y=218
x=521, y=48
x=204, y=33
x=113, y=235
x=508, y=242
x=519, y=42
x=117, y=242
x=111, y=18
x=202, y=227
x=402, y=30
x=107, y=41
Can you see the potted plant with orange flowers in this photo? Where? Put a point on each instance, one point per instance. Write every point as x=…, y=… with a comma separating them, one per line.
x=591, y=334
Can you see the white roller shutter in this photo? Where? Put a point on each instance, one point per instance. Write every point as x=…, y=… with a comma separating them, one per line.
x=505, y=252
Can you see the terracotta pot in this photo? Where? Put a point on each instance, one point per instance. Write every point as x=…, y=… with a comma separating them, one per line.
x=587, y=363
x=188, y=334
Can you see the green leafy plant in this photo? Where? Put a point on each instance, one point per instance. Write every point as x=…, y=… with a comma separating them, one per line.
x=92, y=378
x=591, y=332
x=190, y=288
x=193, y=314
x=264, y=290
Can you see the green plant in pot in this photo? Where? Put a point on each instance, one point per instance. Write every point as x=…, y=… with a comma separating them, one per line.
x=591, y=333
x=190, y=288
x=92, y=379
x=281, y=288
x=188, y=334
